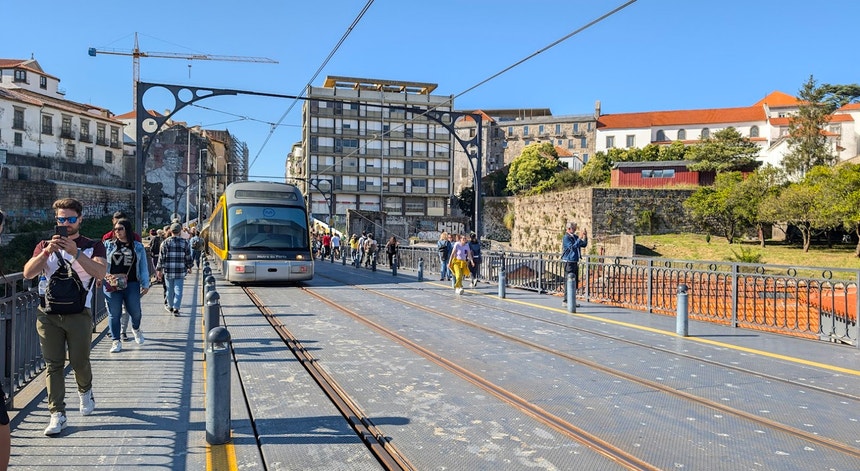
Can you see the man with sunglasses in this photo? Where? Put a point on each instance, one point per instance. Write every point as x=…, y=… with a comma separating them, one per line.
x=72, y=331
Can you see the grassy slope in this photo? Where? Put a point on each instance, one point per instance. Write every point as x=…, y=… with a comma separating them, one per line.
x=694, y=247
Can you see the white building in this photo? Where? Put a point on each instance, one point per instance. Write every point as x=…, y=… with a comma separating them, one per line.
x=40, y=129
x=764, y=123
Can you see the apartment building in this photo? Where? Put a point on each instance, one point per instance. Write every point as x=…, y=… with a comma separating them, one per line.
x=366, y=146
x=45, y=136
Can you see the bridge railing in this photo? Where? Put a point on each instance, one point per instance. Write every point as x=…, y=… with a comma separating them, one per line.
x=811, y=302
x=20, y=353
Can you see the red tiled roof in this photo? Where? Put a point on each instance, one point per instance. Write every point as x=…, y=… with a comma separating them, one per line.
x=562, y=152
x=777, y=99
x=681, y=117
x=28, y=64
x=850, y=107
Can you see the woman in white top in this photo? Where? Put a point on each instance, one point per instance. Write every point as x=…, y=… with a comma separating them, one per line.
x=460, y=261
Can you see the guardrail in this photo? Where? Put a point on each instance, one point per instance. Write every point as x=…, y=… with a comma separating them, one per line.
x=811, y=302
x=20, y=353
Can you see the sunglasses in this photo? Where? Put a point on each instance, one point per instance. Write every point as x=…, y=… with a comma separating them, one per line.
x=120, y=228
x=70, y=219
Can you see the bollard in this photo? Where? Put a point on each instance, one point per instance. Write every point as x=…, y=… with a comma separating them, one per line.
x=421, y=269
x=570, y=294
x=206, y=272
x=212, y=314
x=218, y=386
x=373, y=263
x=681, y=320
x=343, y=256
x=394, y=265
x=210, y=284
x=502, y=282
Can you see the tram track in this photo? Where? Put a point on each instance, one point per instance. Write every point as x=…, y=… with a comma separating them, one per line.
x=381, y=448
x=560, y=424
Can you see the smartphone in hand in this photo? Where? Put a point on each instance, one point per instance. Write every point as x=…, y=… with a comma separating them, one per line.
x=61, y=230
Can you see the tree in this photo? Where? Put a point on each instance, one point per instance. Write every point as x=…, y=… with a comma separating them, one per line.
x=807, y=143
x=843, y=196
x=721, y=207
x=805, y=204
x=761, y=184
x=538, y=162
x=726, y=151
x=598, y=170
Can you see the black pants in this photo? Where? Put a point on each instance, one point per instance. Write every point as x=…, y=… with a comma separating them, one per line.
x=571, y=267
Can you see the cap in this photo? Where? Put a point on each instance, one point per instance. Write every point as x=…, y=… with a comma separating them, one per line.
x=176, y=228
x=119, y=215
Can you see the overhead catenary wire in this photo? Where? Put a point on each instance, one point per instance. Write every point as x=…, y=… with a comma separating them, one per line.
x=482, y=82
x=310, y=81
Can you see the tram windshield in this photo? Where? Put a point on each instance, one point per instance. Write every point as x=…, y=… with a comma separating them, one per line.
x=267, y=228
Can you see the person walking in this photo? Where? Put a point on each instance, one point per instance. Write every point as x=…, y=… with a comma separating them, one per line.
x=174, y=263
x=57, y=333
x=391, y=251
x=475, y=247
x=353, y=249
x=570, y=255
x=370, y=248
x=107, y=236
x=127, y=279
x=444, y=248
x=335, y=245
x=458, y=264
x=196, y=247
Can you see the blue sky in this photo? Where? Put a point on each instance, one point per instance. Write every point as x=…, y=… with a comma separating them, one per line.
x=652, y=55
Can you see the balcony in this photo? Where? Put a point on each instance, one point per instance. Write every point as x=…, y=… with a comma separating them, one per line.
x=67, y=134
x=85, y=138
x=101, y=141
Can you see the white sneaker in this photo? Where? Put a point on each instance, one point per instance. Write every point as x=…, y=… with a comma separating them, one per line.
x=138, y=336
x=57, y=423
x=474, y=282
x=116, y=347
x=88, y=402
x=459, y=290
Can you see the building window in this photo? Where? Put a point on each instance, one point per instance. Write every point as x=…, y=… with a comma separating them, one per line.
x=659, y=173
x=525, y=130
x=661, y=135
x=510, y=130
x=706, y=133
x=575, y=127
x=43, y=82
x=20, y=75
x=47, y=124
x=558, y=129
x=754, y=131
x=19, y=139
x=66, y=127
x=70, y=151
x=631, y=141
x=100, y=135
x=541, y=129
x=108, y=157
x=682, y=134
x=85, y=130
x=610, y=142
x=584, y=158
x=570, y=144
x=114, y=136
x=88, y=152
x=18, y=119
x=583, y=142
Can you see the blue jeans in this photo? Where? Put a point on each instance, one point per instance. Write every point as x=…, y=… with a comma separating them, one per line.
x=131, y=298
x=195, y=257
x=446, y=273
x=173, y=288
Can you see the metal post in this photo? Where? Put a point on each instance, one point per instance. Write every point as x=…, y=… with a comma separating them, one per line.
x=681, y=320
x=211, y=318
x=373, y=263
x=502, y=277
x=209, y=284
x=394, y=265
x=342, y=254
x=570, y=293
x=218, y=386
x=421, y=269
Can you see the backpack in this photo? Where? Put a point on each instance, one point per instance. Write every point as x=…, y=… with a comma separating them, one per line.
x=196, y=243
x=65, y=293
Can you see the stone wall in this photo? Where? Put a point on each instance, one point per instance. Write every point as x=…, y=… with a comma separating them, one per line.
x=607, y=213
x=24, y=201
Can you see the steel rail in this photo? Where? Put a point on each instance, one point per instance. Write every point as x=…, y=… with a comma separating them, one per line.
x=381, y=448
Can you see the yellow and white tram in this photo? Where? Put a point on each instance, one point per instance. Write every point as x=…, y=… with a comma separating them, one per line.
x=258, y=232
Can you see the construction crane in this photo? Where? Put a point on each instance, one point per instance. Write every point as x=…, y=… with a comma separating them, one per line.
x=136, y=54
